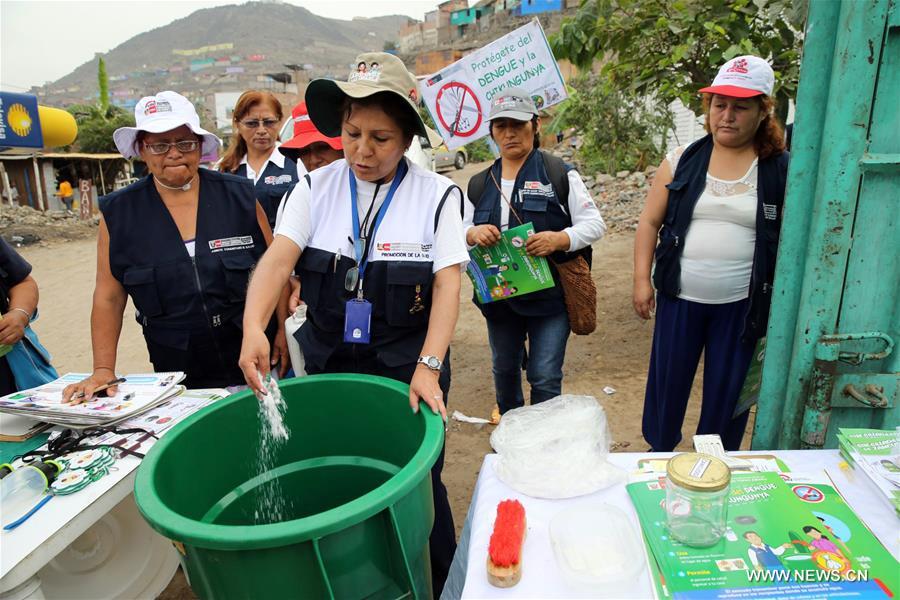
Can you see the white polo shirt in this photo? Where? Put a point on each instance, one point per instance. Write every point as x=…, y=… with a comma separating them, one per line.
x=319, y=216
x=276, y=158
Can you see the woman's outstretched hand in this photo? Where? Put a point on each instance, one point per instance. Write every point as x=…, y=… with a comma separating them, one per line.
x=254, y=360
x=425, y=385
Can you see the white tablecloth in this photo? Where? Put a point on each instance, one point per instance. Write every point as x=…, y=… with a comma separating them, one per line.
x=542, y=579
x=27, y=548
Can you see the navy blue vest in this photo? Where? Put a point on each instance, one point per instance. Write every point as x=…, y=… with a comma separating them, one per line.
x=540, y=205
x=391, y=286
x=13, y=271
x=184, y=303
x=688, y=182
x=272, y=185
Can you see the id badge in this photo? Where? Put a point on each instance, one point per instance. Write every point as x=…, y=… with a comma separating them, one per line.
x=358, y=321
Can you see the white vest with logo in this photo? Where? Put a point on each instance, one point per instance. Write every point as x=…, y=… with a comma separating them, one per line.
x=405, y=233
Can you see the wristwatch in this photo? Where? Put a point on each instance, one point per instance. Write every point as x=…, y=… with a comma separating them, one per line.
x=432, y=362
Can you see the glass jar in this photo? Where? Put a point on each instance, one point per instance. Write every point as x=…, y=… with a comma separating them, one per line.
x=697, y=488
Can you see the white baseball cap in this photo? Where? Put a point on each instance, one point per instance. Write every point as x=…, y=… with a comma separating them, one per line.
x=163, y=112
x=743, y=77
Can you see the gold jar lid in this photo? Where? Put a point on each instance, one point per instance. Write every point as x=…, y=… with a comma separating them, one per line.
x=698, y=472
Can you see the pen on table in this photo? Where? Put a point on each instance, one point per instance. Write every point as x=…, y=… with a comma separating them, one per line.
x=102, y=388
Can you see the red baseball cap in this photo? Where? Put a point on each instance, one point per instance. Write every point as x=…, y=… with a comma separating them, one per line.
x=305, y=133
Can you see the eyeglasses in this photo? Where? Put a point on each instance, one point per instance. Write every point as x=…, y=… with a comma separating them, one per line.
x=255, y=123
x=164, y=147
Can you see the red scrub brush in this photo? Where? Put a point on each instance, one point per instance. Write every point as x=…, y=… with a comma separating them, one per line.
x=504, y=563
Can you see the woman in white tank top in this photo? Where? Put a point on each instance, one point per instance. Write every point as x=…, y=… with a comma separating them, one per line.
x=718, y=250
x=710, y=239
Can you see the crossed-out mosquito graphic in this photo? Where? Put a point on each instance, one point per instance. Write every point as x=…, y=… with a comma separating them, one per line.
x=458, y=109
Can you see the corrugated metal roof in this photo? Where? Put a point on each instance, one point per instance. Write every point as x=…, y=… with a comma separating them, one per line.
x=70, y=155
x=87, y=155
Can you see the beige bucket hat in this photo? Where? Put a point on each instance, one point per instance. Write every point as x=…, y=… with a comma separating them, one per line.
x=373, y=72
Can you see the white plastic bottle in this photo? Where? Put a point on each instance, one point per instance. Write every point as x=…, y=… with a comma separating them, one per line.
x=22, y=489
x=292, y=324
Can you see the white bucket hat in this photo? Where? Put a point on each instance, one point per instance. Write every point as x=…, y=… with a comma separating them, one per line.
x=163, y=112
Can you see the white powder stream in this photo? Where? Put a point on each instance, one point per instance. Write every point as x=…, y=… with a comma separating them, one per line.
x=273, y=407
x=273, y=505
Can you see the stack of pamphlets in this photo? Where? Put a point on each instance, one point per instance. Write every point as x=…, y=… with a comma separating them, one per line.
x=786, y=537
x=875, y=452
x=157, y=420
x=137, y=394
x=14, y=428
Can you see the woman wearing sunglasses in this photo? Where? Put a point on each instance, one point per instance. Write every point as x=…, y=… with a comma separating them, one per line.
x=181, y=243
x=252, y=153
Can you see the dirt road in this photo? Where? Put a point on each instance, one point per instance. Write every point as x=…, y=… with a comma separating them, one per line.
x=615, y=355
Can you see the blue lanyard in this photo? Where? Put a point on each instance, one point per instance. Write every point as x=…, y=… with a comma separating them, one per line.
x=360, y=245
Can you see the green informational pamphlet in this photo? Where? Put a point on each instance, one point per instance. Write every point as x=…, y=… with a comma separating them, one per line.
x=875, y=452
x=660, y=589
x=782, y=540
x=871, y=441
x=4, y=348
x=749, y=395
x=506, y=270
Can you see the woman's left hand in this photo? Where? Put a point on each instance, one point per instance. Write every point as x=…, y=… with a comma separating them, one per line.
x=12, y=327
x=280, y=352
x=294, y=301
x=546, y=243
x=425, y=385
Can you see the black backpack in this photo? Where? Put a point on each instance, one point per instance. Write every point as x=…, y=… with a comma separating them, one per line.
x=557, y=171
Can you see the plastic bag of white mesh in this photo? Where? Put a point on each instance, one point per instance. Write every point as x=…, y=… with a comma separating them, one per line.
x=555, y=449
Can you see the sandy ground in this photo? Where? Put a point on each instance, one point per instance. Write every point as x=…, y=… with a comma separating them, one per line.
x=615, y=355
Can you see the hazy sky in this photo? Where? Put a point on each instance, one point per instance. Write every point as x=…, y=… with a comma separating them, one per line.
x=41, y=41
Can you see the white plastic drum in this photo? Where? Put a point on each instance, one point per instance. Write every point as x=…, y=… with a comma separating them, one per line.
x=118, y=557
x=29, y=590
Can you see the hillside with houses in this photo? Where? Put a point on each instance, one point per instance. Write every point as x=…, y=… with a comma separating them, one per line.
x=456, y=27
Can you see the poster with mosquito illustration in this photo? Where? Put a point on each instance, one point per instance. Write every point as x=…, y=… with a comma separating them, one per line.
x=459, y=96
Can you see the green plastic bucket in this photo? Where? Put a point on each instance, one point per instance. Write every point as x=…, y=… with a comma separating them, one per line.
x=355, y=472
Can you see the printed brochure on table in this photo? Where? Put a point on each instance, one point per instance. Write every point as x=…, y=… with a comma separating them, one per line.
x=797, y=540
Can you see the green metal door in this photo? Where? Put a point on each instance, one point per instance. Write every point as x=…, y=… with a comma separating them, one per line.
x=830, y=358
